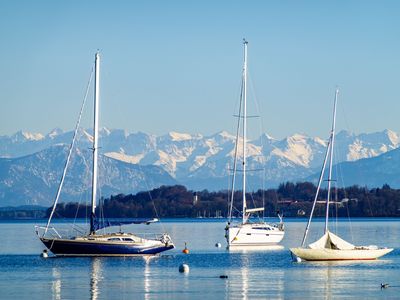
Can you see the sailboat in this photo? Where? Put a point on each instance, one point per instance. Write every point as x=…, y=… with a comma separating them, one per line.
x=94, y=243
x=248, y=232
x=331, y=247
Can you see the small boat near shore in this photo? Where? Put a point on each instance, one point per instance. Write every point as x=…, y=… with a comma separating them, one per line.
x=331, y=247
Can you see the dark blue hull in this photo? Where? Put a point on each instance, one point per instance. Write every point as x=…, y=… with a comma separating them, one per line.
x=61, y=247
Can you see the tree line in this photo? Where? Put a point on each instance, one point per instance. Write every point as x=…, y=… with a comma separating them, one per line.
x=291, y=199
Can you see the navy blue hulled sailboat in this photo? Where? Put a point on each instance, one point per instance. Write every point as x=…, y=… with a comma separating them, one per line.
x=94, y=244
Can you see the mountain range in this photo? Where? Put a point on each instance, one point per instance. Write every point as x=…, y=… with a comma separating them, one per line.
x=31, y=163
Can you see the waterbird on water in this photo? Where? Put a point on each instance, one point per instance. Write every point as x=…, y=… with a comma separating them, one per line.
x=384, y=285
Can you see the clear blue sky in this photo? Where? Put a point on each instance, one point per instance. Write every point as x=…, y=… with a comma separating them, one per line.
x=175, y=65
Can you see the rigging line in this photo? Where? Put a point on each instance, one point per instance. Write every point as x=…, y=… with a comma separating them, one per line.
x=331, y=159
x=253, y=200
x=317, y=192
x=76, y=213
x=336, y=207
x=262, y=141
x=229, y=189
x=81, y=197
x=70, y=152
x=348, y=127
x=263, y=194
x=151, y=199
x=257, y=106
x=236, y=153
x=255, y=100
x=231, y=177
x=341, y=181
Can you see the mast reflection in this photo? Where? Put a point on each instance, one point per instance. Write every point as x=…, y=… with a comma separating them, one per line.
x=56, y=284
x=95, y=278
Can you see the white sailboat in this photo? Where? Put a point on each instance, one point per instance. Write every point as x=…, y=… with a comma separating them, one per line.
x=247, y=232
x=330, y=247
x=94, y=243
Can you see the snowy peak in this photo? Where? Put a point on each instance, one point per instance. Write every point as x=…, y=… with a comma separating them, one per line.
x=196, y=157
x=33, y=136
x=366, y=145
x=54, y=133
x=34, y=179
x=266, y=138
x=222, y=137
x=177, y=137
x=393, y=137
x=23, y=136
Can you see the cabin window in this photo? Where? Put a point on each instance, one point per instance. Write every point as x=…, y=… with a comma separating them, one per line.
x=114, y=239
x=248, y=233
x=128, y=239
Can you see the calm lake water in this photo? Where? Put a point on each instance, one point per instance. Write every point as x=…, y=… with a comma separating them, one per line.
x=251, y=274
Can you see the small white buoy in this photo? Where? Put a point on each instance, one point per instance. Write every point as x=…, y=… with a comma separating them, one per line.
x=44, y=254
x=184, y=268
x=218, y=245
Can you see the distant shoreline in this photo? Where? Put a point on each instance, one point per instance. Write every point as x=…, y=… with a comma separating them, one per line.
x=183, y=219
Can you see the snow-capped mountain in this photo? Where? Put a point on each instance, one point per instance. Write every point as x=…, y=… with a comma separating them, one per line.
x=34, y=179
x=204, y=162
x=370, y=172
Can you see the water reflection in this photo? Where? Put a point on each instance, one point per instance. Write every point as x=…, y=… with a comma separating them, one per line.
x=95, y=278
x=56, y=284
x=331, y=279
x=147, y=278
x=245, y=249
x=249, y=281
x=245, y=282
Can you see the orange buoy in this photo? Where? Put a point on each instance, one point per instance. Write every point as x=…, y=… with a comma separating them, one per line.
x=186, y=250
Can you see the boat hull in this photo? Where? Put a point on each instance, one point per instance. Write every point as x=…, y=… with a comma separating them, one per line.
x=338, y=255
x=65, y=247
x=253, y=235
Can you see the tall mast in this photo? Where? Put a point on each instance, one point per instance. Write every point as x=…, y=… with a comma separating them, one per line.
x=244, y=128
x=332, y=141
x=95, y=141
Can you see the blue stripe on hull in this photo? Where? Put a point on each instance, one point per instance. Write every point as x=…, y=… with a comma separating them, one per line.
x=71, y=248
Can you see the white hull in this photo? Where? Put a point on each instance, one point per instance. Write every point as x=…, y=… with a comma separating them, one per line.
x=259, y=234
x=334, y=254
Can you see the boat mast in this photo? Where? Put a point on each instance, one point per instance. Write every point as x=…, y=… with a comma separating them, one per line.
x=244, y=128
x=317, y=193
x=332, y=141
x=95, y=141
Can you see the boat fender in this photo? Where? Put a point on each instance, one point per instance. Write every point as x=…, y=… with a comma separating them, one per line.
x=165, y=239
x=295, y=258
x=44, y=254
x=184, y=268
x=218, y=245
